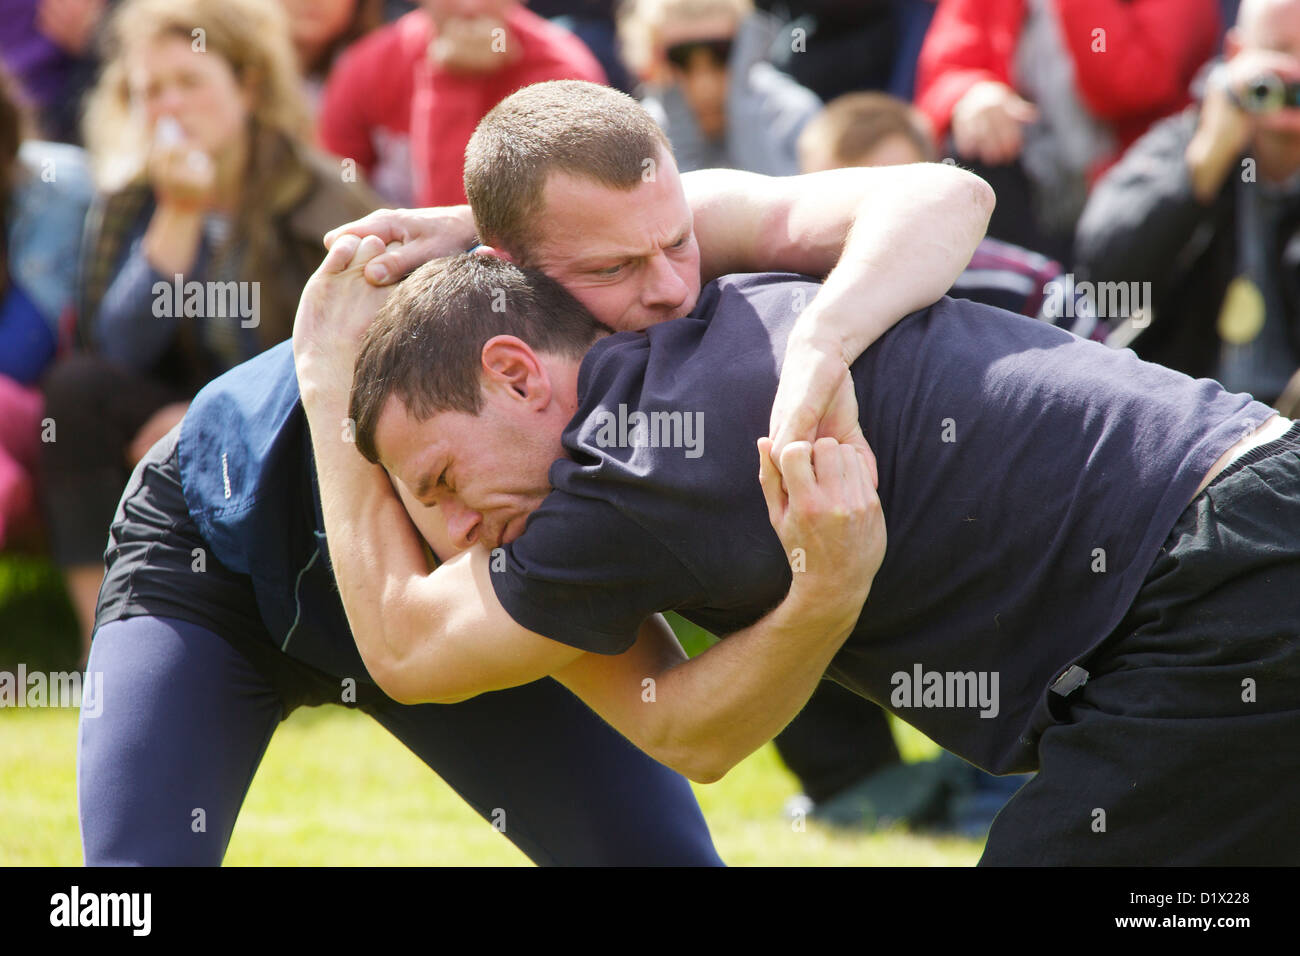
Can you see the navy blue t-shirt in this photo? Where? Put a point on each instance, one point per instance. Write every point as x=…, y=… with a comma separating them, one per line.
x=1028, y=479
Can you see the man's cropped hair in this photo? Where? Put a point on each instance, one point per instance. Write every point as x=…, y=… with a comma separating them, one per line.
x=581, y=129
x=426, y=342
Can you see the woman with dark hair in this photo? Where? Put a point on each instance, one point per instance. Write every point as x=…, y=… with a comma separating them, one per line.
x=208, y=223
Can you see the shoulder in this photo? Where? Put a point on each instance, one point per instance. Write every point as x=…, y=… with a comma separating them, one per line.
x=231, y=425
x=780, y=89
x=52, y=191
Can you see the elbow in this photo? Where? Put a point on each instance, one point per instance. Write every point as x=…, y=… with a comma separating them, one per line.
x=973, y=193
x=944, y=193
x=986, y=199
x=394, y=674
x=698, y=764
x=710, y=773
x=393, y=680
x=405, y=683
x=697, y=770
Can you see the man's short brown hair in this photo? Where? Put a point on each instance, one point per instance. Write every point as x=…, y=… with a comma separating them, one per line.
x=571, y=126
x=851, y=126
x=426, y=342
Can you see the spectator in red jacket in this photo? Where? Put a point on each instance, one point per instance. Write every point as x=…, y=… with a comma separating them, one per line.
x=403, y=102
x=1043, y=95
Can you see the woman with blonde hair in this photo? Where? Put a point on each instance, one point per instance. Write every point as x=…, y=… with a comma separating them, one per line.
x=207, y=225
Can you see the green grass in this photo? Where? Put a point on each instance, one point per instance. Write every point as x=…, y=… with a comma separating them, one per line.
x=336, y=789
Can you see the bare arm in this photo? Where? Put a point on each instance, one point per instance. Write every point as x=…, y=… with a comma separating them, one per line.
x=896, y=237
x=704, y=716
x=890, y=241
x=444, y=636
x=893, y=241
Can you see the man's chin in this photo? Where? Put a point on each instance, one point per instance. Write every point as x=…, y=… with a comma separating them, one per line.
x=513, y=530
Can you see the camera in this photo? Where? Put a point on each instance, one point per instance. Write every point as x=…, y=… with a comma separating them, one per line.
x=1268, y=93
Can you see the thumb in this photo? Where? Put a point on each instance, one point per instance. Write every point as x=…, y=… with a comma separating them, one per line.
x=770, y=479
x=799, y=425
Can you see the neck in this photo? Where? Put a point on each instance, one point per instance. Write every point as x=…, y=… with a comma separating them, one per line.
x=563, y=373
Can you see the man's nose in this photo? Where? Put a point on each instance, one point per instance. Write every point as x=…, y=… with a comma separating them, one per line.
x=664, y=288
x=463, y=524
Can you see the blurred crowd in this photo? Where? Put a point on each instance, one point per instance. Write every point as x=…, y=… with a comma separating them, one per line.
x=168, y=168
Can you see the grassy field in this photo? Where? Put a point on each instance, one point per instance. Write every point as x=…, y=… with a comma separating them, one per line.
x=336, y=789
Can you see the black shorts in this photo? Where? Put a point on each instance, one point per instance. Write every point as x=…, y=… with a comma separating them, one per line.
x=1181, y=746
x=158, y=565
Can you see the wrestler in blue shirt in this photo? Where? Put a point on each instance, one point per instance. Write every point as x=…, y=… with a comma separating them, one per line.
x=219, y=616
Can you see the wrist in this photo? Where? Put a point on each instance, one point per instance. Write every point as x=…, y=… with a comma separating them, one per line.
x=319, y=385
x=811, y=607
x=812, y=335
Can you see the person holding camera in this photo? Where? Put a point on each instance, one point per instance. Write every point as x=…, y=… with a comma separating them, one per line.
x=1206, y=208
x=1040, y=97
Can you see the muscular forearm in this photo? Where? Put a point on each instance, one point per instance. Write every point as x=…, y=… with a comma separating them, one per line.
x=889, y=240
x=703, y=716
x=723, y=705
x=707, y=714
x=375, y=551
x=911, y=237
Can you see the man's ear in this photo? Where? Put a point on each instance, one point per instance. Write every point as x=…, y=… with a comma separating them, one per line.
x=509, y=363
x=497, y=251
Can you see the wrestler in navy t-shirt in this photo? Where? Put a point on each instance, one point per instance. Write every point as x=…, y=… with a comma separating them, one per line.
x=1028, y=479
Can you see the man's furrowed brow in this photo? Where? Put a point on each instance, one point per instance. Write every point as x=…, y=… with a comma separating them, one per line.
x=600, y=261
x=426, y=485
x=429, y=478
